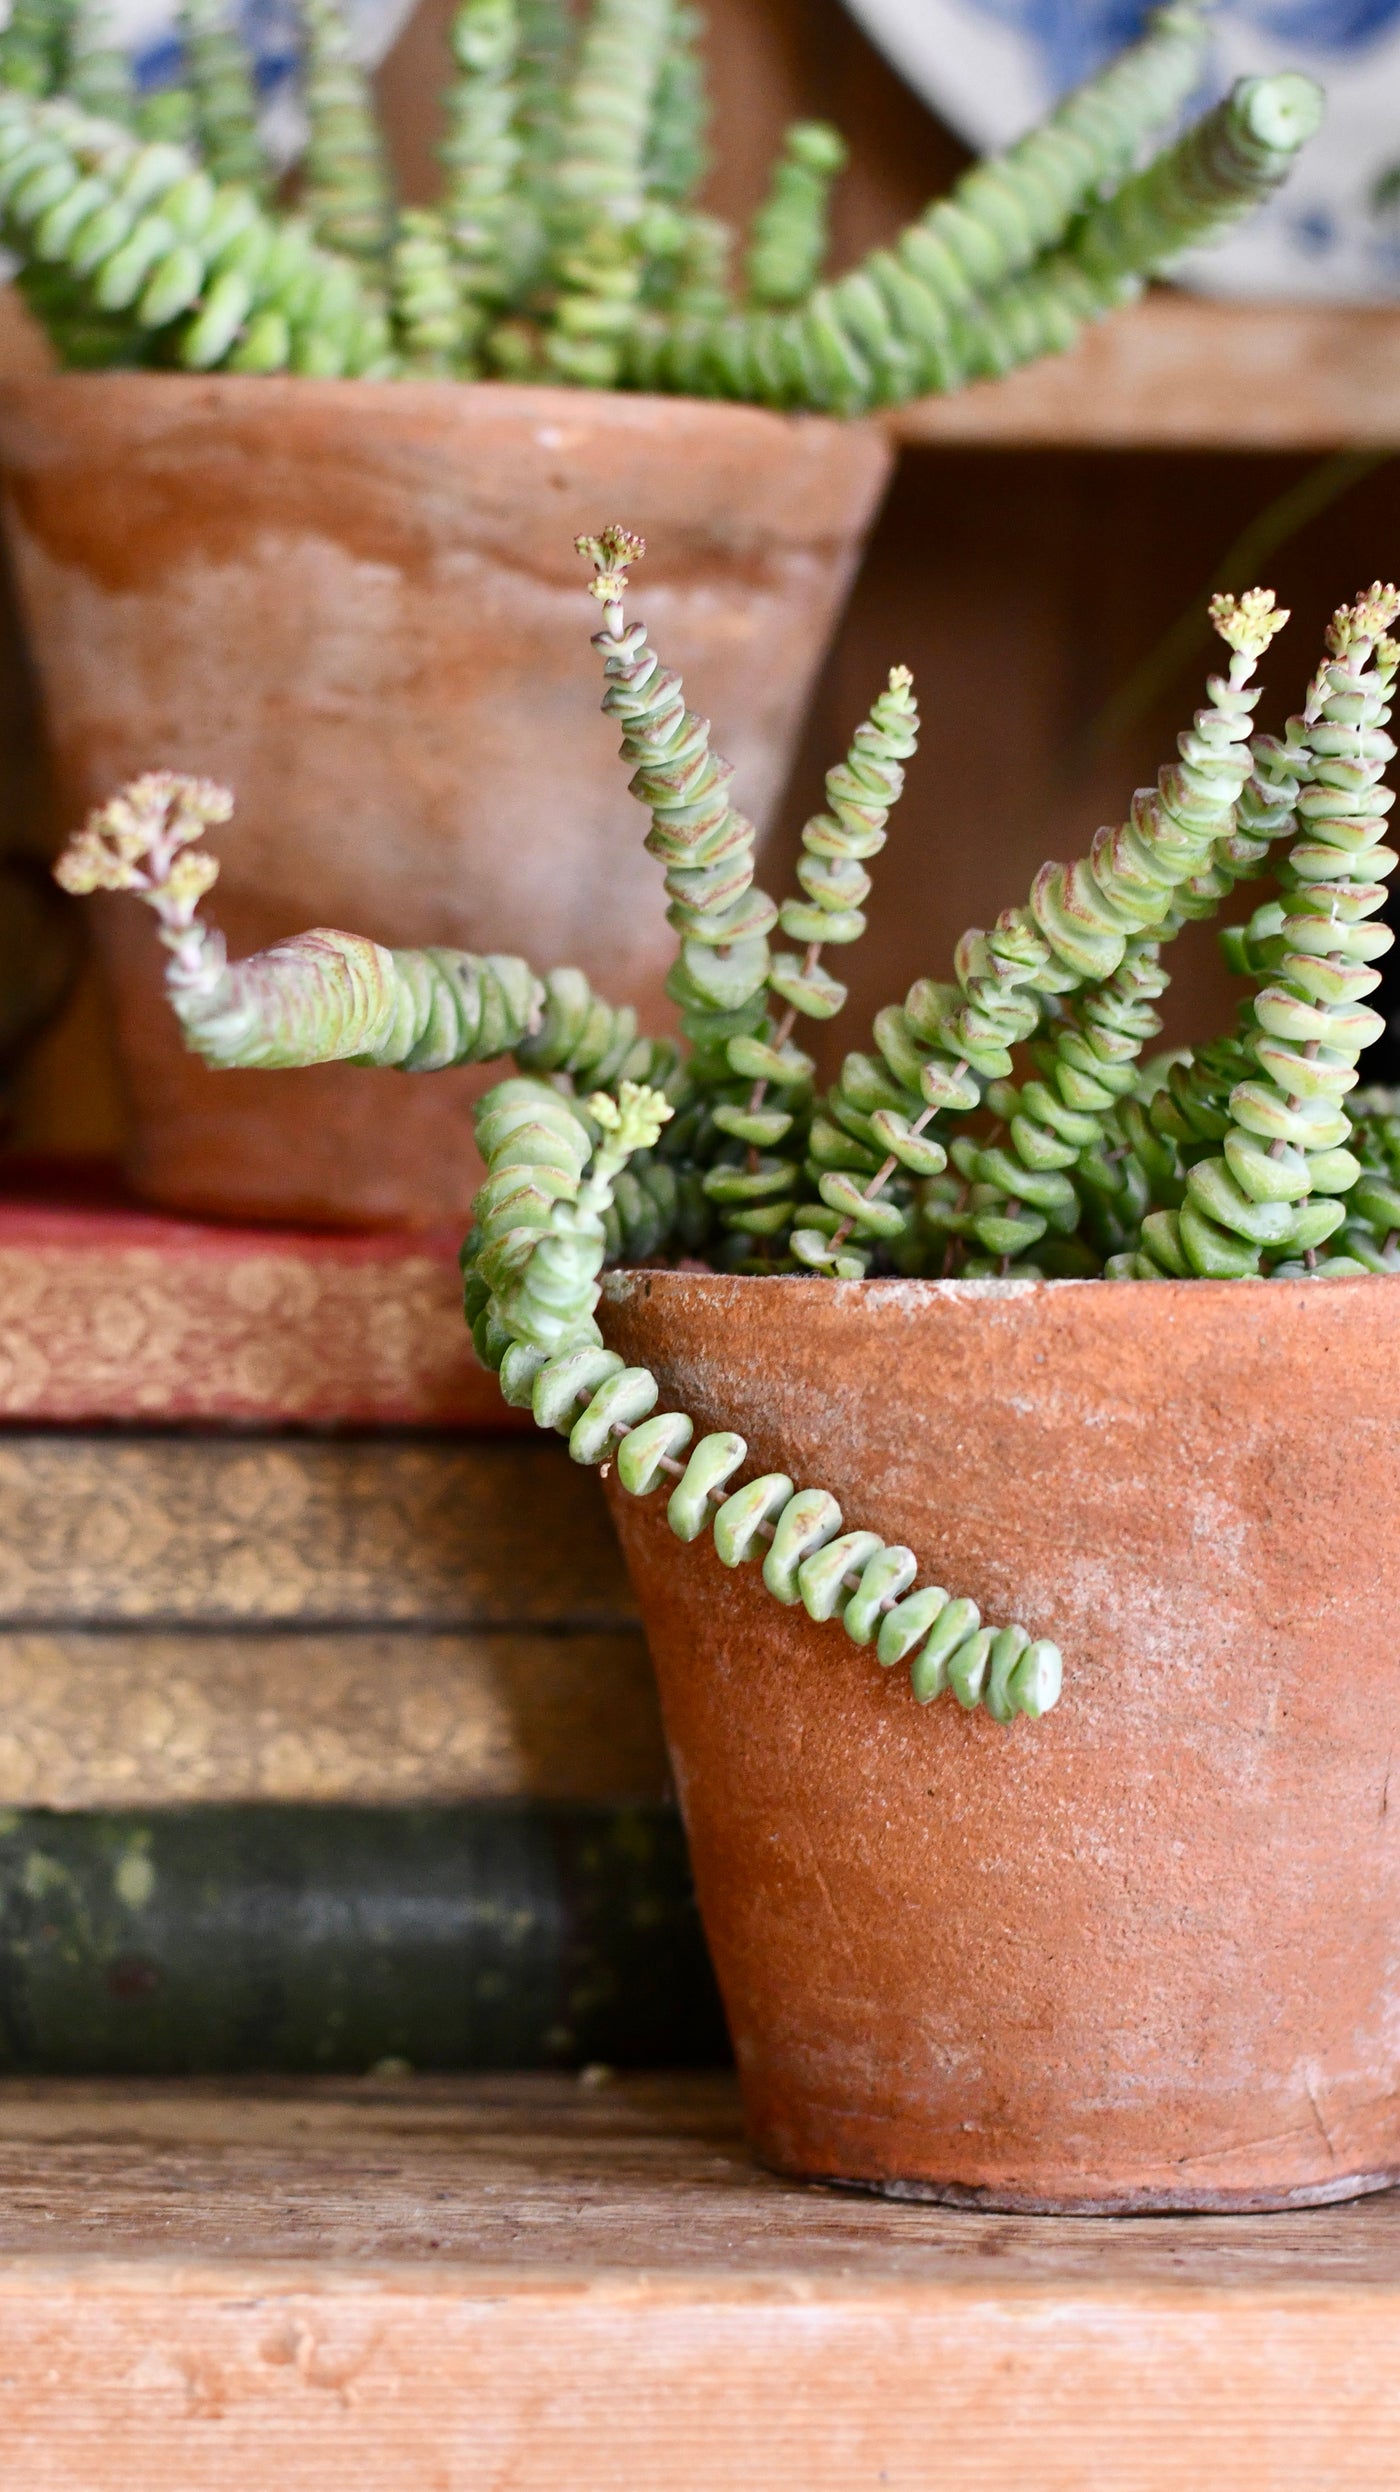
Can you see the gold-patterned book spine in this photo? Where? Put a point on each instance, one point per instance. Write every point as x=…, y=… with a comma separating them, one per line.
x=109, y=1313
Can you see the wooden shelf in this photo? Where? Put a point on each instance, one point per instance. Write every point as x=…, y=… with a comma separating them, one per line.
x=1179, y=372
x=431, y=2285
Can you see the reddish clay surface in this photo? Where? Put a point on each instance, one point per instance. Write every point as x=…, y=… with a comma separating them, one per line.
x=358, y=603
x=1147, y=1951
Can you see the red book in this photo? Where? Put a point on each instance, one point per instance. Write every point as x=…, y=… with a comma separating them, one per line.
x=109, y=1312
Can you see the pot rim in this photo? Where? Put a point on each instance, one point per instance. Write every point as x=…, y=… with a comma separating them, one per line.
x=622, y=1282
x=538, y=399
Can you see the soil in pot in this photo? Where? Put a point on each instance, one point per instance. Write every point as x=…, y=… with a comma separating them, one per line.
x=1144, y=1953
x=355, y=603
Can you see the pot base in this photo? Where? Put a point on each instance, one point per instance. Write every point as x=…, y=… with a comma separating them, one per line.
x=1119, y=2202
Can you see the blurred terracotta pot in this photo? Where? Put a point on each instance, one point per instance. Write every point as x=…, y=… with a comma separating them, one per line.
x=358, y=604
x=1144, y=1953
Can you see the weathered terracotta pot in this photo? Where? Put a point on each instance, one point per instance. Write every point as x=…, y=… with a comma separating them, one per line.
x=358, y=603
x=1144, y=1953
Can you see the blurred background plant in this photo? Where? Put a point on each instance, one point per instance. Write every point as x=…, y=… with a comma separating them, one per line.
x=567, y=243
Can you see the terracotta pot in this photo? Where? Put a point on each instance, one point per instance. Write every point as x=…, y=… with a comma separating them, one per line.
x=1144, y=1953
x=358, y=603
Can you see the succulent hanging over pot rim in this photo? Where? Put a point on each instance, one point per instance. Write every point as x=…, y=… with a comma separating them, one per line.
x=1000, y=1122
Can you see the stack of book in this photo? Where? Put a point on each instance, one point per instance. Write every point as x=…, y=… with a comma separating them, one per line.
x=327, y=1731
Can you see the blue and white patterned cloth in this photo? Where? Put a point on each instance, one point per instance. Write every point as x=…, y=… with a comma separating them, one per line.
x=991, y=67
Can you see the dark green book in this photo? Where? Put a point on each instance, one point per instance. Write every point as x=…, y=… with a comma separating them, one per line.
x=265, y=1938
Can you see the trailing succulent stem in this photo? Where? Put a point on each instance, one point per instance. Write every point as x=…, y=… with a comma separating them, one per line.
x=98, y=74
x=791, y=234
x=219, y=79
x=321, y=998
x=490, y=236
x=1107, y=919
x=432, y=315
x=1089, y=932
x=568, y=244
x=532, y=1268
x=1003, y=1113
x=1277, y=1189
x=722, y=919
x=678, y=157
x=1000, y=273
x=347, y=184
x=600, y=188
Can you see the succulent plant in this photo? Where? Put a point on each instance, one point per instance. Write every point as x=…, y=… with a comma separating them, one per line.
x=1007, y=1120
x=567, y=244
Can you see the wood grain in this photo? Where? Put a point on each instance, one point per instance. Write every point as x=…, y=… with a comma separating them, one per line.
x=120, y=1721
x=524, y=2285
x=254, y=1531
x=1181, y=372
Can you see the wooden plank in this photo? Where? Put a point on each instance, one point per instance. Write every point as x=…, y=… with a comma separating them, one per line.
x=105, y=1721
x=110, y=1312
x=521, y=2285
x=1180, y=372
x=229, y=1531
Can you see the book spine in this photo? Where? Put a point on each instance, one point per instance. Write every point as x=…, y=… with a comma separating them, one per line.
x=285, y=1940
x=122, y=1316
x=220, y=1531
x=381, y=1718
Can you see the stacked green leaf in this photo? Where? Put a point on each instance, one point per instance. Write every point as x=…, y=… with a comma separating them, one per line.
x=347, y=195
x=134, y=254
x=490, y=236
x=1279, y=1185
x=219, y=77
x=1371, y=1234
x=97, y=73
